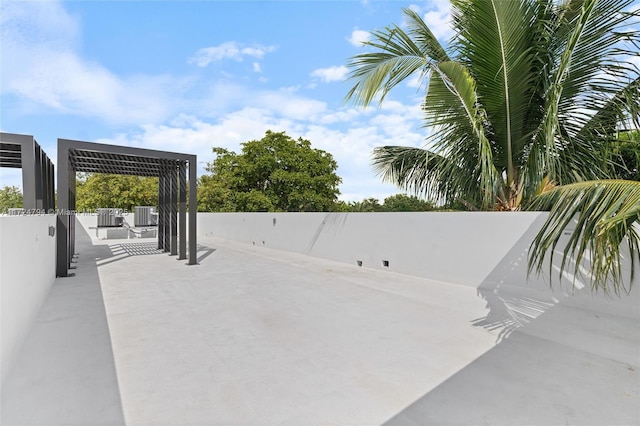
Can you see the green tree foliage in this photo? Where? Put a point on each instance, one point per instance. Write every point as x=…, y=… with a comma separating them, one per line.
x=366, y=205
x=10, y=198
x=626, y=156
x=275, y=173
x=393, y=203
x=528, y=96
x=342, y=206
x=405, y=203
x=98, y=190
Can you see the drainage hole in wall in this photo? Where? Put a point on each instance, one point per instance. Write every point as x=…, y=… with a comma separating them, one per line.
x=385, y=263
x=359, y=262
x=263, y=243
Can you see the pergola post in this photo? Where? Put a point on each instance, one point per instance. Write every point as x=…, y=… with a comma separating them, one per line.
x=161, y=209
x=72, y=213
x=62, y=222
x=51, y=190
x=173, y=183
x=166, y=228
x=182, y=219
x=193, y=208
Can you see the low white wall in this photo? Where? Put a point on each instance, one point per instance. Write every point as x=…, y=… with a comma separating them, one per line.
x=486, y=250
x=455, y=247
x=27, y=272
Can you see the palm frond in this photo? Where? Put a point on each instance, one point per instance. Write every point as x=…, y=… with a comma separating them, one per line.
x=423, y=37
x=399, y=54
x=548, y=133
x=623, y=106
x=406, y=167
x=497, y=43
x=425, y=172
x=585, y=72
x=599, y=58
x=604, y=215
x=452, y=106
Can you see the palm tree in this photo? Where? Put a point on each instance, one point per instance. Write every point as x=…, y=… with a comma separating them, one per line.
x=522, y=105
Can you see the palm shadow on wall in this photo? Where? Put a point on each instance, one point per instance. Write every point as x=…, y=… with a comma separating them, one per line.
x=515, y=299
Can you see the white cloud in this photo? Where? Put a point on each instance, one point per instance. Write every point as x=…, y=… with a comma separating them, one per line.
x=257, y=51
x=65, y=83
x=41, y=23
x=228, y=50
x=415, y=81
x=331, y=74
x=257, y=67
x=352, y=149
x=351, y=116
x=222, y=97
x=289, y=105
x=439, y=23
x=358, y=37
x=351, y=146
x=40, y=65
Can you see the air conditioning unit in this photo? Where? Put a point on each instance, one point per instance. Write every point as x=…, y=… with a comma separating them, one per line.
x=145, y=216
x=110, y=218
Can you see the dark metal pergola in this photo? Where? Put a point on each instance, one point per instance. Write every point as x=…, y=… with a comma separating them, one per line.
x=169, y=167
x=23, y=152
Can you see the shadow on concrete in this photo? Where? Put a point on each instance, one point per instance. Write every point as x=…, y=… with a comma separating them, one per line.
x=204, y=252
x=571, y=366
x=110, y=253
x=136, y=249
x=65, y=372
x=106, y=254
x=535, y=380
x=564, y=355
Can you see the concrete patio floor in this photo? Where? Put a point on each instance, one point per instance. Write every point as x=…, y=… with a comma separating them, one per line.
x=254, y=336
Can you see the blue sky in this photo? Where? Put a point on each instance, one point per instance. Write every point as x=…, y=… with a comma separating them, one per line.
x=186, y=76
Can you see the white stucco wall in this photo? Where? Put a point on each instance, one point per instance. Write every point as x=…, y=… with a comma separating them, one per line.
x=27, y=272
x=486, y=250
x=455, y=247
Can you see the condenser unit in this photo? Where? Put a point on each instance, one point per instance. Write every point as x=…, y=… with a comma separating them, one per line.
x=145, y=216
x=110, y=218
